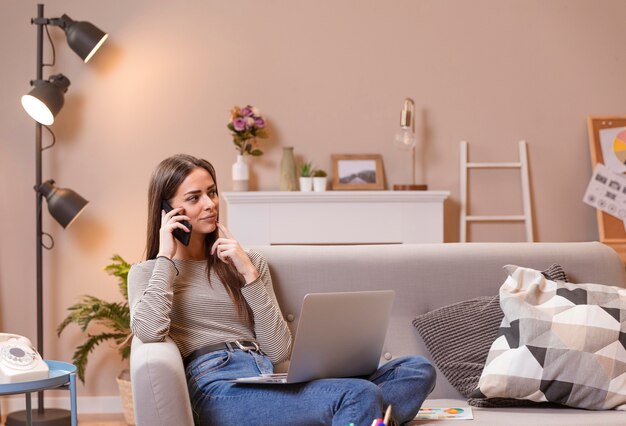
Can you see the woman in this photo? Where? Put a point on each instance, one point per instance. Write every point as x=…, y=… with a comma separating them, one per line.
x=217, y=303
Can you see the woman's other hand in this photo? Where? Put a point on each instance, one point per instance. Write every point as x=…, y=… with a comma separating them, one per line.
x=230, y=251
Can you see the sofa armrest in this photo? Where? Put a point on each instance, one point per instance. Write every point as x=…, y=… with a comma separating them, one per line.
x=160, y=395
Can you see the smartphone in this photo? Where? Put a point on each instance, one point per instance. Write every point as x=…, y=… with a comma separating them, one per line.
x=178, y=233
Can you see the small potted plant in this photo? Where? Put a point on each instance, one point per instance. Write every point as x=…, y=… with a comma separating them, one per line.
x=112, y=321
x=319, y=180
x=306, y=176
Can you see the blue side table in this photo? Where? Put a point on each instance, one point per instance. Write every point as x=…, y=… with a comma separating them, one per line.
x=61, y=375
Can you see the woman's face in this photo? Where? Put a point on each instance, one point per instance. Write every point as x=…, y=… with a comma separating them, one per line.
x=197, y=195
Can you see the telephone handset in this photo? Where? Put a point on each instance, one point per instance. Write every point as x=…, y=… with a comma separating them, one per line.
x=19, y=361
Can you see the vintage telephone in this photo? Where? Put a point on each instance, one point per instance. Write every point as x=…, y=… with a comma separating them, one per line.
x=19, y=361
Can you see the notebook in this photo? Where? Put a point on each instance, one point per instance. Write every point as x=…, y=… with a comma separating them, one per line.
x=339, y=335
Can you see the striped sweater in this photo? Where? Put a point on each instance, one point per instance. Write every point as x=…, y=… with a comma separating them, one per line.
x=195, y=313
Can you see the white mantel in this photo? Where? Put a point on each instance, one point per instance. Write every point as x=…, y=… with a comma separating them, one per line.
x=335, y=217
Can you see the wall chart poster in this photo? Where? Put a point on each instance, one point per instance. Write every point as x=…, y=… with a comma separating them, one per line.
x=605, y=191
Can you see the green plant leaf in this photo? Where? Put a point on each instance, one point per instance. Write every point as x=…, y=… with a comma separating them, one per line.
x=119, y=268
x=306, y=169
x=81, y=354
x=113, y=317
x=256, y=152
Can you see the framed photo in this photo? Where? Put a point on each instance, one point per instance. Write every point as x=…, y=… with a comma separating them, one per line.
x=358, y=171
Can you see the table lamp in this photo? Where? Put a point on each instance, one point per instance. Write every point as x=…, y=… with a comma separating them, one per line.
x=406, y=140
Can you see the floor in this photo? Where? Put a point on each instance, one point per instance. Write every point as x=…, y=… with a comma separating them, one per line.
x=97, y=420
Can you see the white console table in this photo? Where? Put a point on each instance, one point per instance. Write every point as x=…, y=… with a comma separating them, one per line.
x=335, y=217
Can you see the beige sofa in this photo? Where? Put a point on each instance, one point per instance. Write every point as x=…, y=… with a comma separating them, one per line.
x=425, y=277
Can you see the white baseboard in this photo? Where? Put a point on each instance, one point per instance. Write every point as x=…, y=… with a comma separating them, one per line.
x=85, y=404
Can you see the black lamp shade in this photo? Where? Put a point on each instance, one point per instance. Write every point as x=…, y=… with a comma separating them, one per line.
x=83, y=37
x=43, y=102
x=64, y=204
x=46, y=98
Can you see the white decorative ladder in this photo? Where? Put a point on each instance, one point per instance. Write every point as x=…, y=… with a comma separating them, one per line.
x=526, y=217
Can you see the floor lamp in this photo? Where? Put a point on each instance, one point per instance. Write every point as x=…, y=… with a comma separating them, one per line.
x=43, y=103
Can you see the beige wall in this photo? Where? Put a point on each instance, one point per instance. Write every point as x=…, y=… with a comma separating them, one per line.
x=330, y=77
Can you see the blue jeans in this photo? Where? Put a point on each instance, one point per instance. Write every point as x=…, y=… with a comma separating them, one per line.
x=403, y=383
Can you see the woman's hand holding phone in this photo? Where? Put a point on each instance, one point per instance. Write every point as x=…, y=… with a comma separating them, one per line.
x=181, y=234
x=170, y=222
x=230, y=251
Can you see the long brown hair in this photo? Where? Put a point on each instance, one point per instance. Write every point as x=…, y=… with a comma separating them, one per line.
x=165, y=180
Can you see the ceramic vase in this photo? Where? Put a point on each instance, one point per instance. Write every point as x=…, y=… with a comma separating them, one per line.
x=288, y=180
x=241, y=174
x=319, y=184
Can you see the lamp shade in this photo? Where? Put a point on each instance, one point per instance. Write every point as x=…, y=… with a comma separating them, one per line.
x=64, y=204
x=46, y=98
x=83, y=37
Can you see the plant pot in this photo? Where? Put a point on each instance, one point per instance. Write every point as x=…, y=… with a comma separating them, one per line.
x=306, y=184
x=126, y=393
x=319, y=184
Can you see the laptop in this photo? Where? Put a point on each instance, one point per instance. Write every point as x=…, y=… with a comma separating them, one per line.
x=339, y=335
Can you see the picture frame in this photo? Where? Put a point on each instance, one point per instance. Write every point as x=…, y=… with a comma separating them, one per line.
x=357, y=172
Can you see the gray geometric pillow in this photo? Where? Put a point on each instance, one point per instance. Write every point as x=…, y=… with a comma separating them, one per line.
x=458, y=337
x=558, y=343
x=555, y=273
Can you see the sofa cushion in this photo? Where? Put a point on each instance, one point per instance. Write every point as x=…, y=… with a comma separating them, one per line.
x=559, y=343
x=458, y=337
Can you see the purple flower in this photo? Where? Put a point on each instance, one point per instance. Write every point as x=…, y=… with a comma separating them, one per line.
x=239, y=124
x=246, y=124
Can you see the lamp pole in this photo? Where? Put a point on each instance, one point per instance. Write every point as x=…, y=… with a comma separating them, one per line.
x=39, y=204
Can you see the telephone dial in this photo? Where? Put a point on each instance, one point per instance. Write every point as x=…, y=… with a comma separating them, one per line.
x=19, y=361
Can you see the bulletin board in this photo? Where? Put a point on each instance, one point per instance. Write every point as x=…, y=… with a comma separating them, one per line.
x=610, y=229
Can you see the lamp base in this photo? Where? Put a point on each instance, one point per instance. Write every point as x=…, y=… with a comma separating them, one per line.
x=410, y=187
x=50, y=417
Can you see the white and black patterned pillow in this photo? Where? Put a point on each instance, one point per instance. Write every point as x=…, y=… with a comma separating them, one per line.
x=558, y=342
x=459, y=336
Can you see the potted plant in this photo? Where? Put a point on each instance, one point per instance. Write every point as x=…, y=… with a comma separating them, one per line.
x=319, y=180
x=114, y=321
x=306, y=176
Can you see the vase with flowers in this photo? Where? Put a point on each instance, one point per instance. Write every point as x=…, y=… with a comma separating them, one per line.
x=246, y=126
